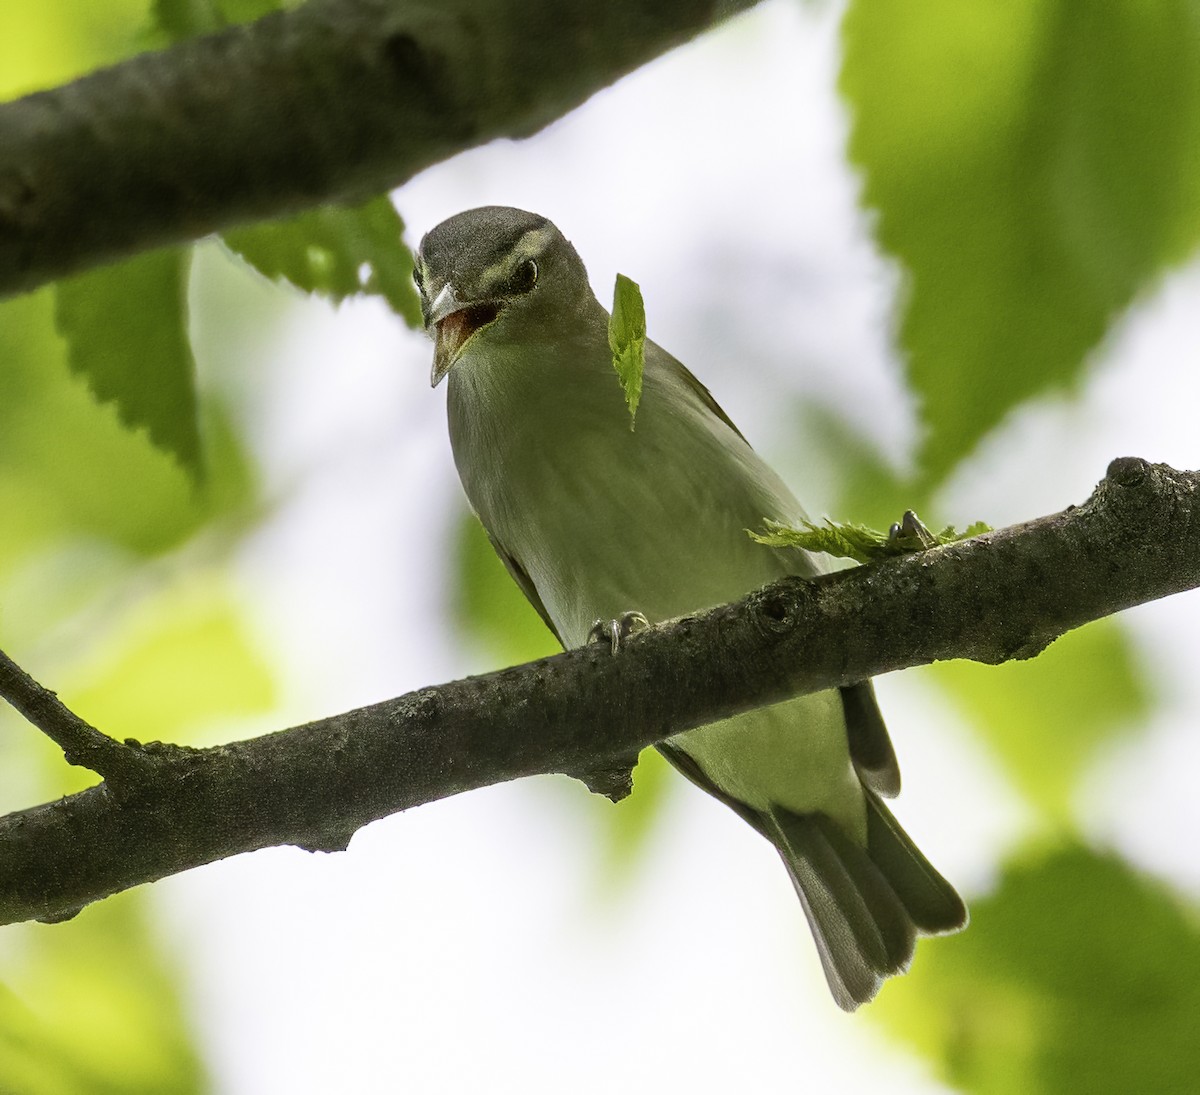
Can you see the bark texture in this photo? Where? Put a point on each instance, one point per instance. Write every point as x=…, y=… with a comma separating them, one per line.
x=337, y=100
x=1000, y=596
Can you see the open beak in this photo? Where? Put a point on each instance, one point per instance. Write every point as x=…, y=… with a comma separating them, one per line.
x=452, y=323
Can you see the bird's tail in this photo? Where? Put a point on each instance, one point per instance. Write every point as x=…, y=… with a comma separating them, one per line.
x=866, y=906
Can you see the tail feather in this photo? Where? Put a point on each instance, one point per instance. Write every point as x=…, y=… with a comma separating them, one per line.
x=865, y=905
x=863, y=931
x=931, y=902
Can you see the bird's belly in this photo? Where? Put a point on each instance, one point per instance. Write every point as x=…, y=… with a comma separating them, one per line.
x=604, y=522
x=664, y=543
x=792, y=754
x=667, y=543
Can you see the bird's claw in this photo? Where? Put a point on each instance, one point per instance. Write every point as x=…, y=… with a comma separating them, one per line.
x=615, y=631
x=910, y=534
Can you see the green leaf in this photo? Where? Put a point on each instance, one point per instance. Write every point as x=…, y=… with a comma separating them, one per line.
x=1076, y=975
x=1047, y=717
x=337, y=252
x=71, y=476
x=179, y=19
x=1035, y=164
x=126, y=333
x=46, y=44
x=184, y=661
x=627, y=340
x=94, y=1006
x=858, y=542
x=628, y=825
x=247, y=11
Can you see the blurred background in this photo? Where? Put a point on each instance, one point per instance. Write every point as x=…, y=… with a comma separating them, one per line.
x=931, y=256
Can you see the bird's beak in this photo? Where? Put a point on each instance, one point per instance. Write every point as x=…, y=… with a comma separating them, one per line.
x=444, y=304
x=446, y=345
x=452, y=322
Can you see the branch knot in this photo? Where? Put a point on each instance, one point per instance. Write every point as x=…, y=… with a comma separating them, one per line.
x=1127, y=471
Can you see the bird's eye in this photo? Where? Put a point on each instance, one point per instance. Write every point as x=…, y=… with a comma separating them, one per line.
x=524, y=277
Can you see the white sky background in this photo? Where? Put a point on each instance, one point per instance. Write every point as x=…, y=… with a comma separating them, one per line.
x=468, y=945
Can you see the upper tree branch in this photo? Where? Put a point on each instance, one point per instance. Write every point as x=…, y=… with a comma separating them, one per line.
x=1003, y=595
x=338, y=99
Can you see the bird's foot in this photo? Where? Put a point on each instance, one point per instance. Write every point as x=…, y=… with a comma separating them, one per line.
x=614, y=632
x=910, y=534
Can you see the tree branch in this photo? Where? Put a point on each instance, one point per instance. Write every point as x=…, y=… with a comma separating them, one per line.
x=173, y=145
x=1003, y=595
x=119, y=763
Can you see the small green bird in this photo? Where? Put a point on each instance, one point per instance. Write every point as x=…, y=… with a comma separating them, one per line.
x=595, y=522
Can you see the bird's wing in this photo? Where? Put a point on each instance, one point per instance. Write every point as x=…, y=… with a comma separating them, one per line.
x=519, y=575
x=870, y=747
x=700, y=391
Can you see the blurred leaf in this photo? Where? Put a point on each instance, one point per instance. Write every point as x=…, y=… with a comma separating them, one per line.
x=1046, y=717
x=246, y=11
x=1077, y=975
x=629, y=824
x=126, y=332
x=1035, y=164
x=337, y=251
x=68, y=468
x=489, y=607
x=55, y=41
x=179, y=19
x=92, y=1007
x=627, y=340
x=182, y=661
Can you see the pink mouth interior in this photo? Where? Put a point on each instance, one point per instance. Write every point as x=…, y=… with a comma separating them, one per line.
x=459, y=326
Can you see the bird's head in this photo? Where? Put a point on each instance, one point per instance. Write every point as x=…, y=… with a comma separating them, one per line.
x=494, y=275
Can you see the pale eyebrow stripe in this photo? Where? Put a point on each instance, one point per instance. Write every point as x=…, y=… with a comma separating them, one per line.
x=532, y=243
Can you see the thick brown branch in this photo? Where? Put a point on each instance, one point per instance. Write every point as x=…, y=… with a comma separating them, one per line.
x=336, y=100
x=1003, y=595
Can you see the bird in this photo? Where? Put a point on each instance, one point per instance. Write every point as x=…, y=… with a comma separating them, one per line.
x=598, y=522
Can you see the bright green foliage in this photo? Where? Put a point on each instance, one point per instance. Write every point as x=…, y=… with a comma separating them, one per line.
x=69, y=469
x=1046, y=717
x=627, y=340
x=54, y=41
x=126, y=333
x=1076, y=975
x=857, y=542
x=337, y=252
x=628, y=825
x=1035, y=164
x=177, y=19
x=92, y=1007
x=184, y=661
